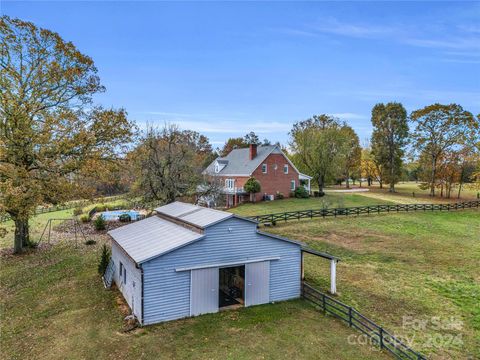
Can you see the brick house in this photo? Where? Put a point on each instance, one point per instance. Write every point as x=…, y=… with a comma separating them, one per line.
x=268, y=164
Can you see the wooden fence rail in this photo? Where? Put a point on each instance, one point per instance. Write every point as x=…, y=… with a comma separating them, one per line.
x=359, y=210
x=384, y=339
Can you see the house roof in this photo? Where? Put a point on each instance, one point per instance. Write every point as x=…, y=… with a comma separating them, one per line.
x=151, y=237
x=192, y=214
x=238, y=162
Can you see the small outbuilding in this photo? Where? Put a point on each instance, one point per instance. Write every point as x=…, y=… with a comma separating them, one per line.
x=189, y=260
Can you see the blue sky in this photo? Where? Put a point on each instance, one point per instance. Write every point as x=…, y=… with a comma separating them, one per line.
x=225, y=68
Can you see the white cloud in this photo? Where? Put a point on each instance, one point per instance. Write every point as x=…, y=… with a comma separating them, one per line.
x=234, y=127
x=334, y=26
x=463, y=37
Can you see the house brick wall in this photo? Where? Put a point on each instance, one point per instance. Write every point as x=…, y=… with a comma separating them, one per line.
x=275, y=180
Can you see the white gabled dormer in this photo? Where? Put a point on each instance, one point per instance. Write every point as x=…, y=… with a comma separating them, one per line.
x=219, y=165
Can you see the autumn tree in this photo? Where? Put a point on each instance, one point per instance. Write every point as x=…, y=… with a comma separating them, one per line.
x=389, y=138
x=368, y=169
x=353, y=154
x=49, y=128
x=440, y=129
x=318, y=148
x=168, y=163
x=233, y=143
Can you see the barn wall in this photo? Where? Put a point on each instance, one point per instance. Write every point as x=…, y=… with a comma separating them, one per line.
x=132, y=290
x=167, y=292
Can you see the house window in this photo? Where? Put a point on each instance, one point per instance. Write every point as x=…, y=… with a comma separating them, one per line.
x=264, y=168
x=285, y=169
x=292, y=185
x=217, y=168
x=124, y=276
x=229, y=183
x=121, y=271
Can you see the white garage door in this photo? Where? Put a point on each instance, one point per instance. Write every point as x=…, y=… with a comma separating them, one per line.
x=204, y=291
x=257, y=279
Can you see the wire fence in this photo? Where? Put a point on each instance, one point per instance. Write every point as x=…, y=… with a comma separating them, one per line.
x=67, y=206
x=359, y=210
x=381, y=337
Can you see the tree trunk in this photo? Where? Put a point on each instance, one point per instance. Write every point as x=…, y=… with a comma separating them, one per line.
x=381, y=183
x=434, y=175
x=392, y=173
x=392, y=186
x=22, y=237
x=321, y=183
x=347, y=181
x=459, y=189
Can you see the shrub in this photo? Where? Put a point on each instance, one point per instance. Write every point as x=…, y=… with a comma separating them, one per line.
x=99, y=223
x=90, y=242
x=317, y=193
x=100, y=208
x=301, y=192
x=125, y=218
x=104, y=260
x=84, y=218
x=252, y=186
x=279, y=196
x=77, y=211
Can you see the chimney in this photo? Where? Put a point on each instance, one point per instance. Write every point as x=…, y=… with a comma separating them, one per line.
x=253, y=151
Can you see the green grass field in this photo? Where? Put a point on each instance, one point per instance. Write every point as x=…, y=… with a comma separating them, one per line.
x=53, y=306
x=417, y=265
x=38, y=222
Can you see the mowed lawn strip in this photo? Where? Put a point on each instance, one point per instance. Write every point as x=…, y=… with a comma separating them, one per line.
x=53, y=306
x=418, y=265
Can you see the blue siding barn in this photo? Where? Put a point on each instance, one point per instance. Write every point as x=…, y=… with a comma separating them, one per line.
x=190, y=260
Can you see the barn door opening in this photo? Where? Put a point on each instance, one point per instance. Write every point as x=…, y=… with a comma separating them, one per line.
x=257, y=278
x=231, y=287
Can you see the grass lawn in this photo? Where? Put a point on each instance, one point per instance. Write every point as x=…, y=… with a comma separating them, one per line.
x=415, y=265
x=332, y=200
x=37, y=223
x=405, y=189
x=53, y=306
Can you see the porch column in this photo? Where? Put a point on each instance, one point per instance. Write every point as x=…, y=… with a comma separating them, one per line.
x=333, y=276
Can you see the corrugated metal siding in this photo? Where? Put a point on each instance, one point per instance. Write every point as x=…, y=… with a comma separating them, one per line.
x=257, y=281
x=132, y=290
x=204, y=291
x=167, y=292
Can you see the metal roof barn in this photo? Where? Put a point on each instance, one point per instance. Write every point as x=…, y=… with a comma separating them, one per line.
x=188, y=260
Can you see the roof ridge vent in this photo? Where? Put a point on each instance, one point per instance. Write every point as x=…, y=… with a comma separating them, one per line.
x=190, y=212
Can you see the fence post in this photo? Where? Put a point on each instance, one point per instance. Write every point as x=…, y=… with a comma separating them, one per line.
x=324, y=303
x=381, y=338
x=350, y=316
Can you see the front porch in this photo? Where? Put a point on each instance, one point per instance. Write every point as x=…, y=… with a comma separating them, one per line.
x=305, y=181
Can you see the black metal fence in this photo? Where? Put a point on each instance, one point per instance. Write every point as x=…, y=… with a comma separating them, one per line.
x=381, y=337
x=67, y=206
x=359, y=210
